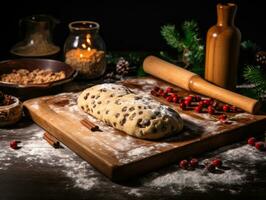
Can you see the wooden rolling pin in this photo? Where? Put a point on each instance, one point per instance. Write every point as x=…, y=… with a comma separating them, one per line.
x=193, y=82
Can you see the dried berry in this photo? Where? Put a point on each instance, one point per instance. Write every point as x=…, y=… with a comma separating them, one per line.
x=182, y=106
x=190, y=98
x=169, y=98
x=252, y=141
x=168, y=90
x=13, y=144
x=211, y=110
x=198, y=109
x=226, y=108
x=183, y=164
x=176, y=99
x=194, y=162
x=222, y=117
x=260, y=146
x=217, y=162
x=187, y=102
x=197, y=98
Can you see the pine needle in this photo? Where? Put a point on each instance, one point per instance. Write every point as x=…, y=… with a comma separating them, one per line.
x=255, y=76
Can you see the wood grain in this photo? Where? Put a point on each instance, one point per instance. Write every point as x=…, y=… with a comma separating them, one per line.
x=119, y=156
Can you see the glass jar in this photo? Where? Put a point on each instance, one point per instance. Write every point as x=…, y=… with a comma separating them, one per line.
x=84, y=49
x=37, y=42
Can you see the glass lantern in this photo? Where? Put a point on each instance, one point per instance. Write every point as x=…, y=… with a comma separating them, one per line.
x=84, y=49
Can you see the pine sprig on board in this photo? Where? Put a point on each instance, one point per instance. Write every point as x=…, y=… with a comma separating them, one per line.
x=187, y=43
x=255, y=76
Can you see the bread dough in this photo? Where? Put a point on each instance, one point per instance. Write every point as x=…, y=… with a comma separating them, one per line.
x=137, y=115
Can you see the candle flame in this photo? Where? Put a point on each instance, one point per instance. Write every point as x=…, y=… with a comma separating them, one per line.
x=81, y=55
x=89, y=49
x=84, y=46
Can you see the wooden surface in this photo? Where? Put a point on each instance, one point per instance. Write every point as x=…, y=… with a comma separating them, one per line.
x=119, y=156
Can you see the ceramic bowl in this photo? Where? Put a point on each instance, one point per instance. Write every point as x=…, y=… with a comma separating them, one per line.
x=10, y=114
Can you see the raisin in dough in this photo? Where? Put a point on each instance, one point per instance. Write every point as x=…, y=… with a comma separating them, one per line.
x=137, y=115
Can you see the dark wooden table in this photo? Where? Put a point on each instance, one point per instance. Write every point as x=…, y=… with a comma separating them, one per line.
x=38, y=171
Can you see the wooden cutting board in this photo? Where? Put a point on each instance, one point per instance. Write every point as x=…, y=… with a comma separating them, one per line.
x=120, y=156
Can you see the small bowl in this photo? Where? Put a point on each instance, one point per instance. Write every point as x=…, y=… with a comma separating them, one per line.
x=10, y=114
x=34, y=90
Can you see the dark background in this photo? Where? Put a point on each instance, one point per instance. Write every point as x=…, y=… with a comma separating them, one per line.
x=130, y=25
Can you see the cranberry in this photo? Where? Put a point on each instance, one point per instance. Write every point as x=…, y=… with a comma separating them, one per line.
x=252, y=141
x=169, y=98
x=198, y=109
x=211, y=110
x=183, y=164
x=226, y=108
x=14, y=144
x=187, y=102
x=194, y=162
x=197, y=98
x=260, y=146
x=156, y=88
x=182, y=106
x=222, y=117
x=207, y=102
x=176, y=99
x=201, y=103
x=168, y=90
x=217, y=162
x=172, y=94
x=190, y=98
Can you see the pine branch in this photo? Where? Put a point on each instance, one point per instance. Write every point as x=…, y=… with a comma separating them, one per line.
x=255, y=76
x=171, y=36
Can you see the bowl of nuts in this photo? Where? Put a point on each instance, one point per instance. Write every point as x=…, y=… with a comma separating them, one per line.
x=27, y=78
x=10, y=109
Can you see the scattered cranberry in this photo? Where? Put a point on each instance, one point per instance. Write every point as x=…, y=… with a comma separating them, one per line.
x=210, y=167
x=154, y=93
x=168, y=90
x=156, y=89
x=197, y=98
x=252, y=141
x=190, y=98
x=226, y=108
x=176, y=99
x=211, y=110
x=182, y=106
x=187, y=102
x=201, y=103
x=194, y=162
x=217, y=162
x=183, y=164
x=207, y=102
x=222, y=117
x=172, y=94
x=198, y=109
x=260, y=146
x=14, y=144
x=169, y=98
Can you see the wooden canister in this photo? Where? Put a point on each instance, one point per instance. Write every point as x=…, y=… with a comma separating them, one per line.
x=222, y=48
